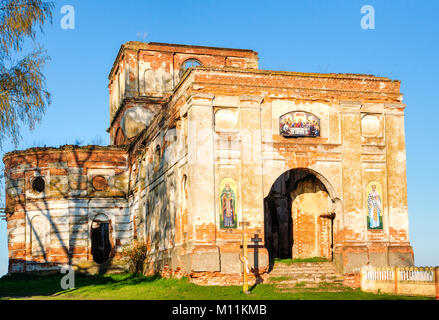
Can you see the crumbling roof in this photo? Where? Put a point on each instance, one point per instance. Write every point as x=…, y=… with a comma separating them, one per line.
x=67, y=147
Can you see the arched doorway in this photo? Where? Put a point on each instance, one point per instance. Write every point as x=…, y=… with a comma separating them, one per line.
x=100, y=238
x=298, y=216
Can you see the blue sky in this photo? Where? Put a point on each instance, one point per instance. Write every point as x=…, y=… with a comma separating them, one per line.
x=309, y=36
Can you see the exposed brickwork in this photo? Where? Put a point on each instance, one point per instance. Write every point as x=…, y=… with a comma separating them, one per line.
x=324, y=237
x=200, y=126
x=352, y=280
x=398, y=235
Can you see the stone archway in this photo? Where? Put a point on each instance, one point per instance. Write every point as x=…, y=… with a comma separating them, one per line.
x=298, y=216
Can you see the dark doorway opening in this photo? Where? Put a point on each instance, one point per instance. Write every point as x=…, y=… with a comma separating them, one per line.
x=278, y=217
x=100, y=241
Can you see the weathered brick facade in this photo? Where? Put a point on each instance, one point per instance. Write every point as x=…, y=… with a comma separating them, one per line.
x=196, y=152
x=52, y=227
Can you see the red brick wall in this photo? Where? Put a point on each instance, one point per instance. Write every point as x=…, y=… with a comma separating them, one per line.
x=352, y=280
x=324, y=237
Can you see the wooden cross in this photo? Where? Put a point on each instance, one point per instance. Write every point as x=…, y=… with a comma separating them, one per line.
x=256, y=246
x=256, y=240
x=243, y=257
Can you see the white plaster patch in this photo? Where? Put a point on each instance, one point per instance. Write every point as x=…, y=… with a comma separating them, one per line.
x=370, y=126
x=135, y=120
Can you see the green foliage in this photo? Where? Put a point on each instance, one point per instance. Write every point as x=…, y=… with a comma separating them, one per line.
x=23, y=97
x=138, y=287
x=135, y=255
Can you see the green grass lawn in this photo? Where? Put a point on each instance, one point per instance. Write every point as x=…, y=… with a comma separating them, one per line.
x=290, y=261
x=128, y=287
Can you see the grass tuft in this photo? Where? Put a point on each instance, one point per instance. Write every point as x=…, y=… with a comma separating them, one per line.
x=281, y=278
x=290, y=261
x=301, y=284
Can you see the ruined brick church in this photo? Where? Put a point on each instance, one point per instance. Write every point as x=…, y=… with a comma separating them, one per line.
x=204, y=146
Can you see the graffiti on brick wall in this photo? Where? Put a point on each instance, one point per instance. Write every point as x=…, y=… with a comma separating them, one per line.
x=228, y=204
x=299, y=124
x=374, y=194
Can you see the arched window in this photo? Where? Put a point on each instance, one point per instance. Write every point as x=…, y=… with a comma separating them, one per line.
x=190, y=63
x=184, y=189
x=100, y=238
x=183, y=215
x=157, y=157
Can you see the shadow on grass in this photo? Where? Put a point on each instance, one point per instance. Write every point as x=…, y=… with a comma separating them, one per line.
x=20, y=286
x=157, y=288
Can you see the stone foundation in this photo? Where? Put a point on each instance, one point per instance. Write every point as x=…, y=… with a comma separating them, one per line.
x=217, y=278
x=350, y=259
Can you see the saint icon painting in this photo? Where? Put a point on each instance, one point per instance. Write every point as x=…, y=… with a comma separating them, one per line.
x=228, y=203
x=374, y=206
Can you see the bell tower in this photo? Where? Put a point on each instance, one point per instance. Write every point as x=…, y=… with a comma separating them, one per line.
x=144, y=75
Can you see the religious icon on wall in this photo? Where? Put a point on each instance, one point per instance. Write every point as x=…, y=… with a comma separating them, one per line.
x=228, y=204
x=299, y=124
x=374, y=206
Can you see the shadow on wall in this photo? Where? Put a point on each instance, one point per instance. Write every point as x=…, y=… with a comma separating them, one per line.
x=69, y=173
x=157, y=214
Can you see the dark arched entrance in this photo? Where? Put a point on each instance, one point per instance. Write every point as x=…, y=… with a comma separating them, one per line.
x=298, y=216
x=100, y=239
